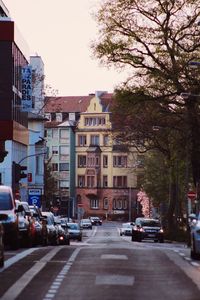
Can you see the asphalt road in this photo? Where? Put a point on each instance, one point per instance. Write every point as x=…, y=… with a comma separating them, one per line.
x=103, y=266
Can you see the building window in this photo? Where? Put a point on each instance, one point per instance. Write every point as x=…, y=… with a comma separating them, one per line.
x=54, y=150
x=94, y=121
x=118, y=204
x=94, y=203
x=90, y=181
x=105, y=181
x=105, y=140
x=54, y=167
x=64, y=152
x=82, y=140
x=105, y=203
x=105, y=161
x=64, y=167
x=94, y=140
x=54, y=133
x=64, y=184
x=119, y=181
x=53, y=116
x=59, y=117
x=125, y=204
x=49, y=133
x=140, y=161
x=38, y=165
x=81, y=161
x=120, y=161
x=81, y=181
x=64, y=136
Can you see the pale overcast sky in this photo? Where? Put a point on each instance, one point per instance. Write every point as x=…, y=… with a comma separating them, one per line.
x=61, y=32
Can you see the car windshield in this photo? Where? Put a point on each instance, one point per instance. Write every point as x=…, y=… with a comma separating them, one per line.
x=126, y=225
x=5, y=201
x=73, y=226
x=150, y=223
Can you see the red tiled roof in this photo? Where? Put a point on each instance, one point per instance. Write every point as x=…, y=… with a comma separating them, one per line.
x=67, y=104
x=74, y=103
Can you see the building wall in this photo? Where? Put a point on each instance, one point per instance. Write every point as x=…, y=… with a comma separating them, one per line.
x=111, y=201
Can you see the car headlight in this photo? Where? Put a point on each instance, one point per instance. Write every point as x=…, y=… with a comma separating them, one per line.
x=161, y=230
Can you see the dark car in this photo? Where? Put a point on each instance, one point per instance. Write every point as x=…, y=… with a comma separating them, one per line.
x=96, y=221
x=195, y=237
x=147, y=229
x=26, y=224
x=40, y=225
x=9, y=217
x=52, y=232
x=86, y=224
x=75, y=231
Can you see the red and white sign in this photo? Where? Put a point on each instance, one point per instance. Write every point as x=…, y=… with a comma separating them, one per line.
x=191, y=195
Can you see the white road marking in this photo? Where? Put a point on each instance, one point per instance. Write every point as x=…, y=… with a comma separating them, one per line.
x=114, y=280
x=195, y=264
x=113, y=256
x=14, y=291
x=58, y=280
x=9, y=262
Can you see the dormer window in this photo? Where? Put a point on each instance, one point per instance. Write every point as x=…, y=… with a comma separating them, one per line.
x=59, y=117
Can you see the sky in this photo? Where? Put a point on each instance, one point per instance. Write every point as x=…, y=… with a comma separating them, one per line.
x=61, y=33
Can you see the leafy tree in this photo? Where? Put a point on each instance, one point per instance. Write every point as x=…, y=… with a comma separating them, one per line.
x=156, y=41
x=50, y=185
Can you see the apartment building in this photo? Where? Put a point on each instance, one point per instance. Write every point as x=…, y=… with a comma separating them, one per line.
x=62, y=114
x=106, y=172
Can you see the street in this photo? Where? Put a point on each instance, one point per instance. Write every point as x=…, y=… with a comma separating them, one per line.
x=102, y=266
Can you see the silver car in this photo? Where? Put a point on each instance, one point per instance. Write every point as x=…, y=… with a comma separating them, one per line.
x=195, y=238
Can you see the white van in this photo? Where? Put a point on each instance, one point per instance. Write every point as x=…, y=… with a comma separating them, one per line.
x=8, y=217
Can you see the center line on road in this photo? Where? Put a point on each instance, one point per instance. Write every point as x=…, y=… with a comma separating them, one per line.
x=113, y=256
x=58, y=280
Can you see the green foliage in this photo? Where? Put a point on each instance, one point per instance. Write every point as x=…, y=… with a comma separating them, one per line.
x=155, y=40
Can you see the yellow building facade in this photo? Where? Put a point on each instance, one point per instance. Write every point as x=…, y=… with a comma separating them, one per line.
x=106, y=172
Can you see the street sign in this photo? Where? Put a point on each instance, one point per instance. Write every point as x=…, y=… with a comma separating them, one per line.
x=34, y=197
x=191, y=195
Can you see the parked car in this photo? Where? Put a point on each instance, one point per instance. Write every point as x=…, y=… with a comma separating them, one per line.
x=75, y=231
x=195, y=238
x=1, y=246
x=9, y=217
x=126, y=229
x=40, y=225
x=147, y=229
x=26, y=224
x=52, y=232
x=86, y=224
x=63, y=233
x=95, y=221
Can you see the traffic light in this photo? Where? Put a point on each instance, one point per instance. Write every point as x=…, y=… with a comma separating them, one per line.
x=18, y=173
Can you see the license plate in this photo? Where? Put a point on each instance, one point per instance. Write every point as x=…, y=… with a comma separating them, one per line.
x=151, y=235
